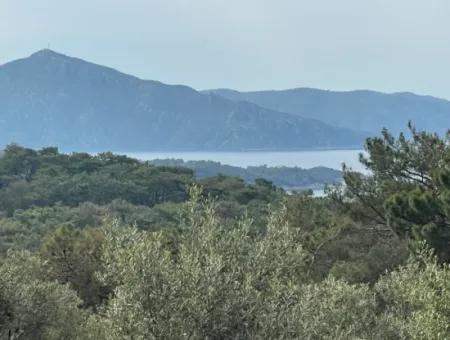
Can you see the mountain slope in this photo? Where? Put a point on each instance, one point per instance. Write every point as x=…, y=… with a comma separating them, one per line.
x=359, y=110
x=52, y=99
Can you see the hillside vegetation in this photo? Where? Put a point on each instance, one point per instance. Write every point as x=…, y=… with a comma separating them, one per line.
x=78, y=105
x=106, y=247
x=361, y=110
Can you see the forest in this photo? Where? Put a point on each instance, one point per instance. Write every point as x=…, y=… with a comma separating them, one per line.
x=108, y=247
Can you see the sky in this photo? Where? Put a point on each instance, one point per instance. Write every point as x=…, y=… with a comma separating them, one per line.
x=385, y=45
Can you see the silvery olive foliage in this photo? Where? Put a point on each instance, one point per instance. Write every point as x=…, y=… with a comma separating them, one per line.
x=209, y=280
x=206, y=281
x=32, y=308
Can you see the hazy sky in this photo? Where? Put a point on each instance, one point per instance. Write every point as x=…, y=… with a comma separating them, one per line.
x=388, y=45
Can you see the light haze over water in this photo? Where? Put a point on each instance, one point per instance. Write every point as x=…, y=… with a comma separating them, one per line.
x=303, y=159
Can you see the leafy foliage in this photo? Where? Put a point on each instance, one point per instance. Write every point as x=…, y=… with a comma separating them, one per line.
x=131, y=259
x=45, y=177
x=33, y=307
x=408, y=190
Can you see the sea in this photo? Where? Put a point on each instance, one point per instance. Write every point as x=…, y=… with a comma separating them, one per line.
x=304, y=159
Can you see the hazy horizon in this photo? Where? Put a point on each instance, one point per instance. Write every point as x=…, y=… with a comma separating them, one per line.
x=225, y=88
x=347, y=45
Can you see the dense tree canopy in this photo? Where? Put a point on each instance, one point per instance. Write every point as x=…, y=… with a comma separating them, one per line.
x=45, y=177
x=107, y=247
x=408, y=189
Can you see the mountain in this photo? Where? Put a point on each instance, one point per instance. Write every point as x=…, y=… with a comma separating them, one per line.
x=358, y=110
x=52, y=99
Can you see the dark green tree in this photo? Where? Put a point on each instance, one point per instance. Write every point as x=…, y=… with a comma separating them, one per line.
x=406, y=192
x=73, y=257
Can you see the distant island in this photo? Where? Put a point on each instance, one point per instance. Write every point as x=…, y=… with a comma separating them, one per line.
x=289, y=178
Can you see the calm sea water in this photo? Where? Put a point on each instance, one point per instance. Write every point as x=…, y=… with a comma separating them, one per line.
x=304, y=159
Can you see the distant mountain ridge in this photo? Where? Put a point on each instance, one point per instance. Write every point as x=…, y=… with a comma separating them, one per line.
x=360, y=110
x=52, y=99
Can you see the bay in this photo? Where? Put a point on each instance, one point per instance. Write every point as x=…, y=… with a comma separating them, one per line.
x=304, y=159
